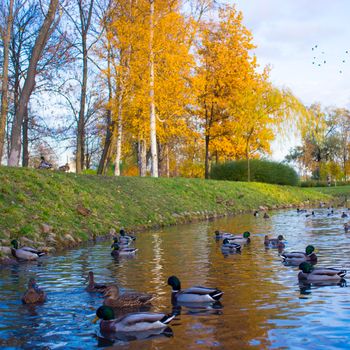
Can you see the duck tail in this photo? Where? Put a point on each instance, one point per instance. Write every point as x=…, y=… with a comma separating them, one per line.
x=41, y=253
x=342, y=273
x=217, y=294
x=168, y=318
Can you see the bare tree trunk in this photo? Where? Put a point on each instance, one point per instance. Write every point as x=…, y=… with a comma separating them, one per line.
x=153, y=127
x=25, y=151
x=4, y=89
x=102, y=166
x=167, y=160
x=207, y=140
x=142, y=157
x=85, y=25
x=29, y=83
x=120, y=131
x=247, y=150
x=80, y=153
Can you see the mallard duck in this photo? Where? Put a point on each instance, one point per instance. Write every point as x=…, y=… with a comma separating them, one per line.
x=95, y=287
x=124, y=236
x=322, y=274
x=274, y=242
x=296, y=258
x=196, y=294
x=114, y=299
x=34, y=294
x=346, y=227
x=118, y=250
x=344, y=215
x=312, y=214
x=256, y=213
x=133, y=322
x=227, y=246
x=122, y=243
x=25, y=253
x=243, y=238
x=221, y=234
x=266, y=216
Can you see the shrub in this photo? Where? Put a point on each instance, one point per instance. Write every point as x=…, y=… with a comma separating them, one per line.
x=260, y=171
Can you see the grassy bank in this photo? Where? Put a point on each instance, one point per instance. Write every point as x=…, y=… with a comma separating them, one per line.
x=336, y=191
x=58, y=209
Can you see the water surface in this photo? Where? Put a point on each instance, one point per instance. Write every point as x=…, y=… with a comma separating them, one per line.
x=263, y=306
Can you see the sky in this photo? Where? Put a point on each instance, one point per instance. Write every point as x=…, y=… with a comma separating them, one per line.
x=292, y=34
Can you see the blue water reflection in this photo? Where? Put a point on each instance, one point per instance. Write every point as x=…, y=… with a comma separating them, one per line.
x=263, y=307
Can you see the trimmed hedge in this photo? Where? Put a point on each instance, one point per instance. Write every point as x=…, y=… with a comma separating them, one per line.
x=260, y=171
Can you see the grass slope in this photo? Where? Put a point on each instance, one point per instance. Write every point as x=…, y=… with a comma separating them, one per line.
x=29, y=198
x=336, y=191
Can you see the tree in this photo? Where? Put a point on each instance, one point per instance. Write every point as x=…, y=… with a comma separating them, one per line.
x=40, y=43
x=225, y=65
x=5, y=31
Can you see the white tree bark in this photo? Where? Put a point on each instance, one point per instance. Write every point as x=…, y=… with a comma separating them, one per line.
x=153, y=126
x=120, y=132
x=4, y=90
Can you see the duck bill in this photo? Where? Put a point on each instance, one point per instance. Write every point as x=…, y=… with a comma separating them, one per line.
x=95, y=319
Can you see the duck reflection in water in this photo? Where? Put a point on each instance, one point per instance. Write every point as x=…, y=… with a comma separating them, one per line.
x=109, y=339
x=213, y=308
x=306, y=287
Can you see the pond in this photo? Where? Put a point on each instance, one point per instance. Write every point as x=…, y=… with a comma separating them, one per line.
x=263, y=306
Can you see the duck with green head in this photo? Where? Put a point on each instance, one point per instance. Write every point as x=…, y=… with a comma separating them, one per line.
x=196, y=294
x=228, y=247
x=125, y=237
x=311, y=274
x=240, y=239
x=25, y=253
x=122, y=251
x=122, y=243
x=296, y=258
x=132, y=322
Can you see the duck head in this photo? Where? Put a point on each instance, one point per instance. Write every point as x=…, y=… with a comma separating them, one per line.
x=309, y=249
x=105, y=313
x=115, y=246
x=280, y=238
x=175, y=283
x=217, y=233
x=32, y=283
x=122, y=232
x=225, y=241
x=14, y=242
x=306, y=267
x=246, y=234
x=111, y=292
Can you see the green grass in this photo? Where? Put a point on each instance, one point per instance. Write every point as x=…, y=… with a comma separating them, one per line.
x=337, y=191
x=30, y=197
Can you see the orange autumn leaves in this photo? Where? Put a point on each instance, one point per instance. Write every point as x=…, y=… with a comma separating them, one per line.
x=212, y=103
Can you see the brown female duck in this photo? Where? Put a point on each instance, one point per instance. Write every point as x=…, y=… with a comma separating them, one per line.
x=134, y=299
x=34, y=294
